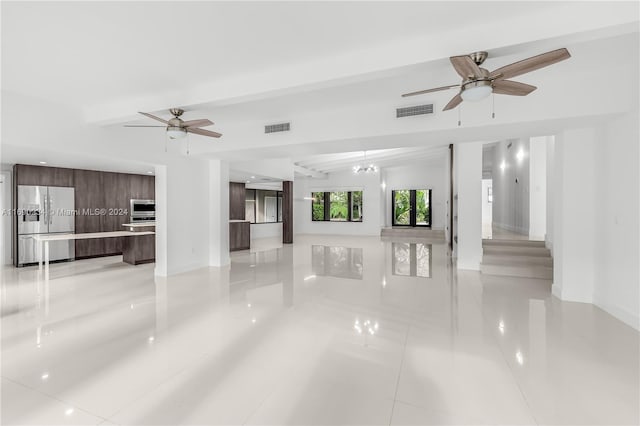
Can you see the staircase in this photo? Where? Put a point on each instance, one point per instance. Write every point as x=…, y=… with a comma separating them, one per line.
x=432, y=234
x=516, y=258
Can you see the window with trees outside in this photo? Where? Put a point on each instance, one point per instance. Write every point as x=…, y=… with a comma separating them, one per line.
x=411, y=207
x=337, y=206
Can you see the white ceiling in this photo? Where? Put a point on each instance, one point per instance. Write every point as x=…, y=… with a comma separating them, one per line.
x=334, y=69
x=85, y=53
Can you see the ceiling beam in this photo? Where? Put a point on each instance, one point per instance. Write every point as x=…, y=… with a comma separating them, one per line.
x=309, y=173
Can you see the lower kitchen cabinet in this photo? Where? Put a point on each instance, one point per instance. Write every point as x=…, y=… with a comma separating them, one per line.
x=139, y=249
x=239, y=235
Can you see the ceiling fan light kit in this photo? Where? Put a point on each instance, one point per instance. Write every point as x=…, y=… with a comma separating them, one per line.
x=478, y=83
x=177, y=128
x=174, y=132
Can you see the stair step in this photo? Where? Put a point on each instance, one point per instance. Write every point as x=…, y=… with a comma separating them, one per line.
x=519, y=243
x=496, y=259
x=515, y=250
x=527, y=271
x=412, y=232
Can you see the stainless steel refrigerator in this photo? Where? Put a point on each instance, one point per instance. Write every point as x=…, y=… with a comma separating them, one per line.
x=45, y=210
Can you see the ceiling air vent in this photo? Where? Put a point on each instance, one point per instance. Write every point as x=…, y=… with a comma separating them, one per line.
x=414, y=110
x=282, y=127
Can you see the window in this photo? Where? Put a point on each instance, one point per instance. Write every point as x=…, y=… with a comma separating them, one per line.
x=339, y=210
x=263, y=206
x=411, y=207
x=317, y=206
x=338, y=206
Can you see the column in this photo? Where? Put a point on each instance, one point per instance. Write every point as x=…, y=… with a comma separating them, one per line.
x=287, y=212
x=468, y=170
x=575, y=207
x=218, y=213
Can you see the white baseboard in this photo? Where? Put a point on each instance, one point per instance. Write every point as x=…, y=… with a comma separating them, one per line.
x=624, y=315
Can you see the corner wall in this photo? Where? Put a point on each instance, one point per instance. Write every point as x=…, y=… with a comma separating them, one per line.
x=617, y=283
x=596, y=217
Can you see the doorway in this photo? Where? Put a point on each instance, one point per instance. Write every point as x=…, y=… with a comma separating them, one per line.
x=411, y=207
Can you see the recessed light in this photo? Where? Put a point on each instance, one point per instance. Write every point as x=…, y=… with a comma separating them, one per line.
x=44, y=376
x=248, y=181
x=150, y=173
x=68, y=412
x=253, y=177
x=43, y=162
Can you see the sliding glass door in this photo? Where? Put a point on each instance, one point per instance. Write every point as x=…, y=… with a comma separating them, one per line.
x=411, y=207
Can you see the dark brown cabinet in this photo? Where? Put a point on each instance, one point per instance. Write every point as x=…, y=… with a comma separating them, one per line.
x=90, y=199
x=237, y=197
x=42, y=175
x=96, y=190
x=139, y=249
x=239, y=236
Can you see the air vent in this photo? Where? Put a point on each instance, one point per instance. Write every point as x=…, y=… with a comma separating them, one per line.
x=282, y=127
x=414, y=110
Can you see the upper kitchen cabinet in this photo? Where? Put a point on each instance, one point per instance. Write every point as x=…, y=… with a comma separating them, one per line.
x=142, y=187
x=43, y=176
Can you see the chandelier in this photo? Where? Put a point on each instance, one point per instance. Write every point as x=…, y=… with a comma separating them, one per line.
x=365, y=169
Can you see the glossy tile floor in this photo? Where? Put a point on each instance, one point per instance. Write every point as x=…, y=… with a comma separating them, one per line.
x=329, y=331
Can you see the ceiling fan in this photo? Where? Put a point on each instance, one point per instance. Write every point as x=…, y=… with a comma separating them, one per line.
x=478, y=83
x=177, y=128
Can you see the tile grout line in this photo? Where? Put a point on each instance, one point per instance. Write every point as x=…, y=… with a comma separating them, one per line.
x=496, y=339
x=404, y=351
x=55, y=398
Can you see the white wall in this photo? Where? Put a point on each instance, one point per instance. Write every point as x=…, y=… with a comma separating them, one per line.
x=468, y=169
x=575, y=205
x=596, y=214
x=417, y=176
x=218, y=197
x=617, y=283
x=182, y=195
x=487, y=207
x=537, y=188
x=5, y=206
x=341, y=181
x=548, y=238
x=511, y=198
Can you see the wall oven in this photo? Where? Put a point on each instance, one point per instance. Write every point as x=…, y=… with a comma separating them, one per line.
x=143, y=211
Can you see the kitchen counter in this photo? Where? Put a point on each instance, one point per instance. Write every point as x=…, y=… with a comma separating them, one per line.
x=238, y=221
x=139, y=249
x=139, y=224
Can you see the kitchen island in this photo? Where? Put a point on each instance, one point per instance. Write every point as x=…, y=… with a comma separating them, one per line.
x=132, y=249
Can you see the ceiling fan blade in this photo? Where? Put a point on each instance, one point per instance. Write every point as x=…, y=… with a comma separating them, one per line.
x=514, y=88
x=154, y=117
x=197, y=123
x=203, y=132
x=530, y=64
x=454, y=102
x=465, y=66
x=437, y=89
x=140, y=125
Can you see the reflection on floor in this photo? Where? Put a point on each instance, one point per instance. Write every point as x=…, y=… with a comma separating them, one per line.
x=271, y=341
